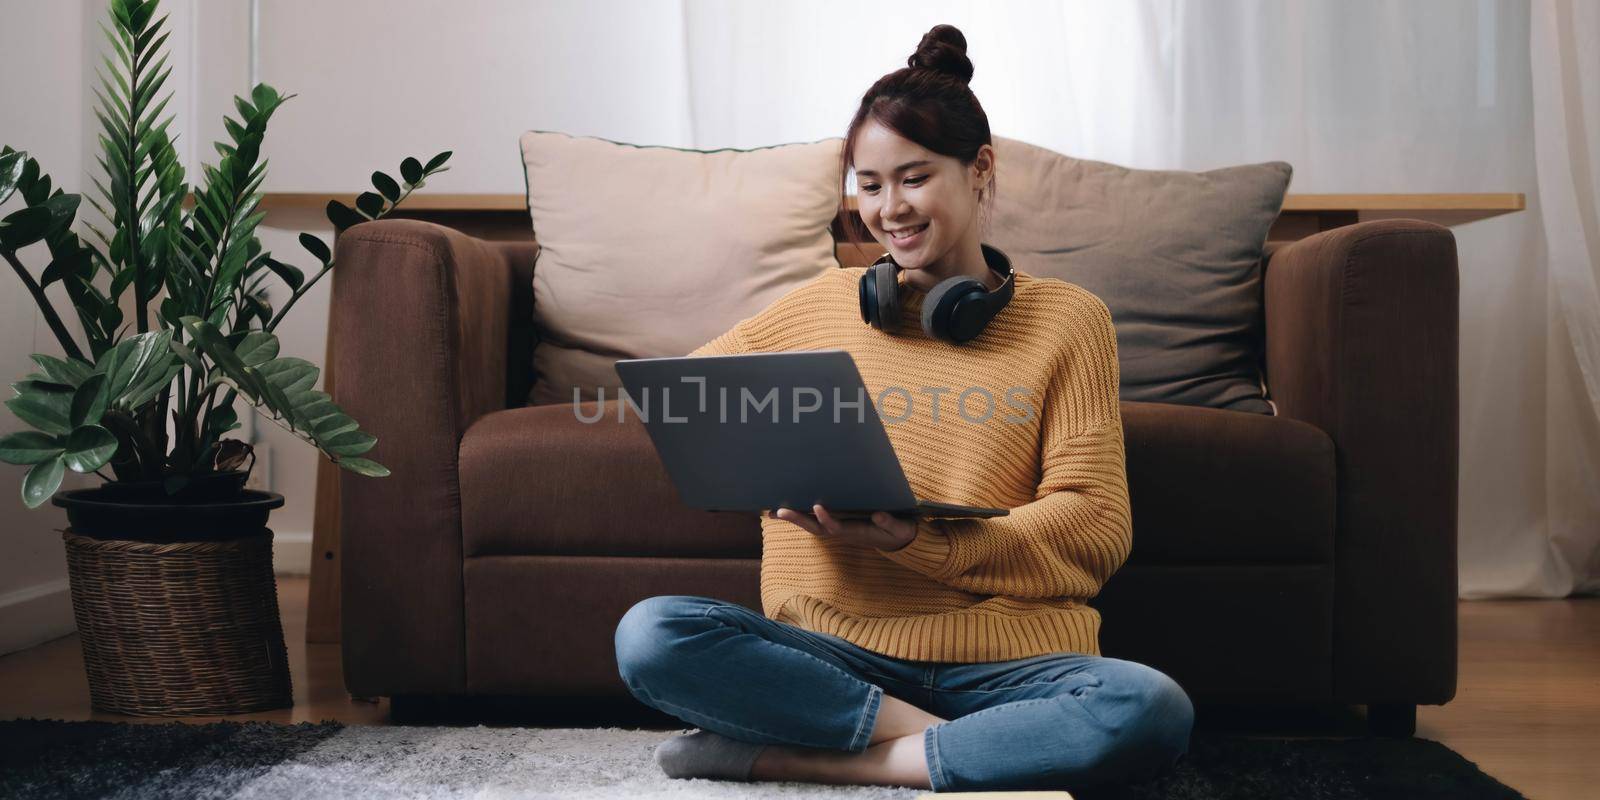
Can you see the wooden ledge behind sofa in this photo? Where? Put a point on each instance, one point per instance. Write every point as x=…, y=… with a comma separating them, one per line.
x=505, y=216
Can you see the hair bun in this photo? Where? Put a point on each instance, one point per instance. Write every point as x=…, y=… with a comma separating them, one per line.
x=943, y=49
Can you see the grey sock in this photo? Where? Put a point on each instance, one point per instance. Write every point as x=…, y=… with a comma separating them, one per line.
x=704, y=754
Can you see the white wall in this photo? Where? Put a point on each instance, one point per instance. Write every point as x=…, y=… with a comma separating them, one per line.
x=52, y=52
x=43, y=106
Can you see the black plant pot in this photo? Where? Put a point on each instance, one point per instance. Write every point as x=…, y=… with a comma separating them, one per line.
x=211, y=508
x=210, y=487
x=175, y=599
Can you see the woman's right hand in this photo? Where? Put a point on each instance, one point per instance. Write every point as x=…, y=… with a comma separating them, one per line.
x=884, y=531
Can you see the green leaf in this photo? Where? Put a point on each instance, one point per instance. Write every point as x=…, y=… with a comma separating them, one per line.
x=289, y=273
x=42, y=480
x=252, y=306
x=411, y=170
x=171, y=311
x=319, y=405
x=437, y=161
x=77, y=262
x=187, y=355
x=316, y=247
x=71, y=371
x=342, y=216
x=274, y=398
x=291, y=375
x=43, y=383
x=50, y=412
x=264, y=96
x=386, y=185
x=370, y=204
x=247, y=112
x=332, y=425
x=110, y=317
x=139, y=16
x=30, y=176
x=129, y=365
x=37, y=193
x=63, y=207
x=145, y=390
x=89, y=448
x=257, y=348
x=11, y=165
x=28, y=447
x=210, y=341
x=89, y=401
x=223, y=418
x=352, y=443
x=24, y=227
x=362, y=466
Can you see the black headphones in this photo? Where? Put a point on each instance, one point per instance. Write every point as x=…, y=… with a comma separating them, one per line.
x=956, y=310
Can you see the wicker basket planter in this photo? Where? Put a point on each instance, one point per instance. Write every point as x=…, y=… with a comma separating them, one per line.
x=175, y=602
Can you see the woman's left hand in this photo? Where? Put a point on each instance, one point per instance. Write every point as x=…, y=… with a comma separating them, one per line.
x=885, y=531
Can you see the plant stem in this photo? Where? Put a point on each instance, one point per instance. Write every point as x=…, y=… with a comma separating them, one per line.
x=143, y=448
x=205, y=419
x=134, y=184
x=49, y=311
x=278, y=317
x=305, y=287
x=222, y=253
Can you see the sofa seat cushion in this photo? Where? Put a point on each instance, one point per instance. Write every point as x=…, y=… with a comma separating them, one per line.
x=1207, y=486
x=538, y=480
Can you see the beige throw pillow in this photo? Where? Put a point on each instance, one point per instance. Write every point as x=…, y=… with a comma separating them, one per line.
x=1174, y=255
x=652, y=251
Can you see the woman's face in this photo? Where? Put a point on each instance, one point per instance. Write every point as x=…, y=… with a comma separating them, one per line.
x=902, y=187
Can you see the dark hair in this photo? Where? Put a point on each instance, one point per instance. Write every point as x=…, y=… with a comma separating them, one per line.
x=927, y=102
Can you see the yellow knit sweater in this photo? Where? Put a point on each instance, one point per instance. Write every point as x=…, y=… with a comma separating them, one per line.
x=965, y=591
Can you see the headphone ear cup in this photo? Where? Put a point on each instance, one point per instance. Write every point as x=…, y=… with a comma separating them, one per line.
x=868, y=292
x=886, y=289
x=939, y=317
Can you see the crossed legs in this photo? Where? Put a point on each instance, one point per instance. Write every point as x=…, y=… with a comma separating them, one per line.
x=894, y=755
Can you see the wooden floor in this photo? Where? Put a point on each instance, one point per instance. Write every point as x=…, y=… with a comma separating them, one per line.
x=1527, y=707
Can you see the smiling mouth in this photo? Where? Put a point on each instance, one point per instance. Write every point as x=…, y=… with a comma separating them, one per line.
x=907, y=233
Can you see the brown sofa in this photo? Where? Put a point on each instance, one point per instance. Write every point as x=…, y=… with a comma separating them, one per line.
x=1304, y=558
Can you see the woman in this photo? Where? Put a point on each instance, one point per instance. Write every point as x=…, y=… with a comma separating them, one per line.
x=949, y=654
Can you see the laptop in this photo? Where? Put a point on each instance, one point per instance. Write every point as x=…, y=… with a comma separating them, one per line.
x=759, y=431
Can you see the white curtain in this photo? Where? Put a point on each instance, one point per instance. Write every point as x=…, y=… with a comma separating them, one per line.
x=1368, y=96
x=1565, y=47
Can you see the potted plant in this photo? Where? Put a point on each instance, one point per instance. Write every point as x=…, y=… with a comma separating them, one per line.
x=170, y=560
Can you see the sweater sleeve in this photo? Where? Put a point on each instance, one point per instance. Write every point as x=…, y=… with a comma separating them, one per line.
x=1078, y=529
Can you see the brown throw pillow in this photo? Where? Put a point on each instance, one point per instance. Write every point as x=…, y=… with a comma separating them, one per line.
x=1174, y=255
x=652, y=251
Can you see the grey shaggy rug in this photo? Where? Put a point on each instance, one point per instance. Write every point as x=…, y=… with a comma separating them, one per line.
x=41, y=759
x=49, y=758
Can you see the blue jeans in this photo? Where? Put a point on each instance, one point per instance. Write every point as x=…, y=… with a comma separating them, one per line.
x=1055, y=721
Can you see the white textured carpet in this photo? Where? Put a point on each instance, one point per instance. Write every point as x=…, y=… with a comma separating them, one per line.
x=483, y=762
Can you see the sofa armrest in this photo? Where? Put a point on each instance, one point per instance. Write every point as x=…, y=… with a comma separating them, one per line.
x=1362, y=332
x=418, y=322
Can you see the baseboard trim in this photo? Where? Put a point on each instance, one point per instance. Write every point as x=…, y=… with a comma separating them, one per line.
x=34, y=615
x=291, y=552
